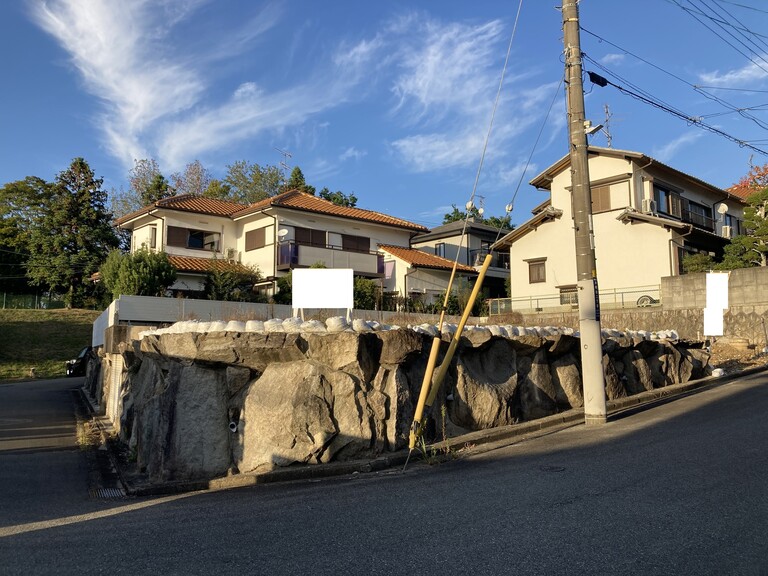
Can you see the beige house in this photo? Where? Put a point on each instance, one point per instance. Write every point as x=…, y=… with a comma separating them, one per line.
x=291, y=230
x=646, y=216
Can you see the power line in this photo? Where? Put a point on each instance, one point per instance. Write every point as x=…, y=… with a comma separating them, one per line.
x=692, y=120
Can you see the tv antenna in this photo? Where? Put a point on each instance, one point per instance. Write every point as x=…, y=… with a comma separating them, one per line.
x=286, y=155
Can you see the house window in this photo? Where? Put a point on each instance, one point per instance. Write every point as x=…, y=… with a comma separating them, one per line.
x=255, y=239
x=601, y=199
x=699, y=215
x=355, y=243
x=734, y=223
x=153, y=237
x=667, y=201
x=569, y=295
x=309, y=237
x=440, y=249
x=537, y=271
x=194, y=239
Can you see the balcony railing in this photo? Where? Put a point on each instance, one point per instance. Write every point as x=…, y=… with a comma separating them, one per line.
x=291, y=254
x=498, y=259
x=698, y=220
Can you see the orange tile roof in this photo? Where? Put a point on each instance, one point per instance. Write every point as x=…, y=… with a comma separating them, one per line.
x=421, y=259
x=308, y=203
x=188, y=203
x=742, y=191
x=202, y=265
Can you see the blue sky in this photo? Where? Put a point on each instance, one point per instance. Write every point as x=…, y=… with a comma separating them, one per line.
x=388, y=100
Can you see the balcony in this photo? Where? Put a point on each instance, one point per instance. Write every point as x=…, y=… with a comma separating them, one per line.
x=498, y=259
x=698, y=220
x=293, y=255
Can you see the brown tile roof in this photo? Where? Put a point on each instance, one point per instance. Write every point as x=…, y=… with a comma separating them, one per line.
x=742, y=191
x=308, y=203
x=188, y=203
x=422, y=259
x=202, y=265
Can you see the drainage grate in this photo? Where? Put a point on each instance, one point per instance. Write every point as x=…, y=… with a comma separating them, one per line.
x=107, y=494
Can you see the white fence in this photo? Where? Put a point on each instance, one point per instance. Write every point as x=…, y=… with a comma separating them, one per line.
x=154, y=311
x=633, y=297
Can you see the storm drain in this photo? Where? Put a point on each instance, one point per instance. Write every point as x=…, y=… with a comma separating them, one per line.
x=107, y=494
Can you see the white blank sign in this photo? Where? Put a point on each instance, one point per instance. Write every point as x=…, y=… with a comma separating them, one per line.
x=323, y=288
x=717, y=290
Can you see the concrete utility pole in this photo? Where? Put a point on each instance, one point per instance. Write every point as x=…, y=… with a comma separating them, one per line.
x=586, y=271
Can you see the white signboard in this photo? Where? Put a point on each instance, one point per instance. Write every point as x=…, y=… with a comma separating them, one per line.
x=717, y=290
x=323, y=288
x=713, y=322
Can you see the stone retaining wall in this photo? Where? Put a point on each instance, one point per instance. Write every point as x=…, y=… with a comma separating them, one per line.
x=196, y=404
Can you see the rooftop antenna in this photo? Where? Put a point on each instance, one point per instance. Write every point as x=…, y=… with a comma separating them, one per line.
x=606, y=125
x=284, y=162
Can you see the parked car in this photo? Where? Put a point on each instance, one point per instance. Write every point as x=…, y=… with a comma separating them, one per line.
x=77, y=366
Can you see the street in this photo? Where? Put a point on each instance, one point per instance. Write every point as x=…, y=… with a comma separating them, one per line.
x=678, y=488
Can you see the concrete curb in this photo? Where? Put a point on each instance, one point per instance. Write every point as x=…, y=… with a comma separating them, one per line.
x=471, y=442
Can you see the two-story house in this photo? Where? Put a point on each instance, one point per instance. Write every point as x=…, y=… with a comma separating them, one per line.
x=290, y=230
x=446, y=241
x=646, y=217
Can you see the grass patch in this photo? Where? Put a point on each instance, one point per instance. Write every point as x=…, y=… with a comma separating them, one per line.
x=43, y=340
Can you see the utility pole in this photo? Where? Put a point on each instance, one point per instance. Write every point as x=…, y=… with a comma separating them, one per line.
x=586, y=270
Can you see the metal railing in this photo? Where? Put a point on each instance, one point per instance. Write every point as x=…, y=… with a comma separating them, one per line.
x=498, y=259
x=632, y=297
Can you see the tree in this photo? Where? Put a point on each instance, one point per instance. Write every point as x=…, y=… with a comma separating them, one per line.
x=219, y=190
x=367, y=294
x=699, y=262
x=194, y=180
x=456, y=215
x=72, y=237
x=284, y=289
x=21, y=204
x=338, y=197
x=249, y=183
x=147, y=183
x=142, y=273
x=232, y=282
x=297, y=182
x=756, y=224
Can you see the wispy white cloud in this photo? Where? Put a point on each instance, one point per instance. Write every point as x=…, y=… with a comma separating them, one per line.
x=745, y=76
x=122, y=52
x=668, y=151
x=116, y=48
x=352, y=153
x=613, y=59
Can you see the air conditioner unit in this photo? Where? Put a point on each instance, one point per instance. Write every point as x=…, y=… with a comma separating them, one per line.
x=649, y=205
x=727, y=232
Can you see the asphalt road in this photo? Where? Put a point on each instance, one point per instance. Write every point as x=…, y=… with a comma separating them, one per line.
x=679, y=488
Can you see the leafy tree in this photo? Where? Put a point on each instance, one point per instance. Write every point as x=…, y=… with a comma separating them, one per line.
x=756, y=224
x=367, y=294
x=297, y=182
x=456, y=215
x=249, y=183
x=232, y=282
x=338, y=197
x=21, y=204
x=147, y=184
x=142, y=273
x=699, y=262
x=194, y=180
x=72, y=237
x=219, y=190
x=284, y=289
